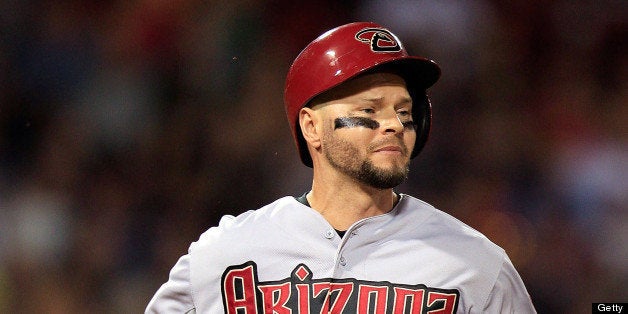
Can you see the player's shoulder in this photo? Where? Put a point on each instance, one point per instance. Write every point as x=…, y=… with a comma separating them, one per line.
x=433, y=215
x=447, y=227
x=250, y=221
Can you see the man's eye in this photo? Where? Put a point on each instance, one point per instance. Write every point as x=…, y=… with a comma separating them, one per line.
x=368, y=110
x=404, y=113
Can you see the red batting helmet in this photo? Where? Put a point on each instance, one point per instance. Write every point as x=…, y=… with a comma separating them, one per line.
x=343, y=53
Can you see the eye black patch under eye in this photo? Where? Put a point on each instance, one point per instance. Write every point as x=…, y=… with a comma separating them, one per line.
x=352, y=122
x=409, y=125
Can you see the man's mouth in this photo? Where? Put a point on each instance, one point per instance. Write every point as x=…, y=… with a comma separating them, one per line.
x=390, y=149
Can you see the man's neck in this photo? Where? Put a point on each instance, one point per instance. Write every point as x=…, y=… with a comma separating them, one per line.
x=343, y=203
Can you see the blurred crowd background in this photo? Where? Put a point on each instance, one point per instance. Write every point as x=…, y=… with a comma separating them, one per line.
x=127, y=128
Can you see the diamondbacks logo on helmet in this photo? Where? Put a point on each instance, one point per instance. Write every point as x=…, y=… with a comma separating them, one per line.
x=380, y=39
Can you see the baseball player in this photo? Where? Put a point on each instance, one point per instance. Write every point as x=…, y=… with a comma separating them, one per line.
x=358, y=110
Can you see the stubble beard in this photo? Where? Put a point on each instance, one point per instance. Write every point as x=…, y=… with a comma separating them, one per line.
x=345, y=157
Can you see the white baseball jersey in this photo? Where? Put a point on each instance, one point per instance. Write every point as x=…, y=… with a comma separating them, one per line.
x=286, y=258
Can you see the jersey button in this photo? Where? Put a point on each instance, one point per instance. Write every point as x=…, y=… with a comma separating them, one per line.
x=329, y=234
x=343, y=261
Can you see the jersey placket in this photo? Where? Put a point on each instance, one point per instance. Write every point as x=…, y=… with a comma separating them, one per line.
x=342, y=262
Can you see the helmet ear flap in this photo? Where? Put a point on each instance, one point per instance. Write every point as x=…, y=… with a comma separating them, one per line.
x=422, y=117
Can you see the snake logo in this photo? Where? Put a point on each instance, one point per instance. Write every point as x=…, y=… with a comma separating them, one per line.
x=380, y=39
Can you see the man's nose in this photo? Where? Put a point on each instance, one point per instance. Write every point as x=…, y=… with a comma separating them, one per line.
x=391, y=123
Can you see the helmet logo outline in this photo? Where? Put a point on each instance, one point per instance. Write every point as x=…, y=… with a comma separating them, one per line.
x=380, y=40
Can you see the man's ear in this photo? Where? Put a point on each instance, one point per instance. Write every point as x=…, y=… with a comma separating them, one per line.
x=311, y=126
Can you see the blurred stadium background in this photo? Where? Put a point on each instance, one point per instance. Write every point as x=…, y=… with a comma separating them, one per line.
x=129, y=127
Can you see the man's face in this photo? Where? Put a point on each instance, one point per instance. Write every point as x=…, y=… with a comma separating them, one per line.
x=368, y=132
